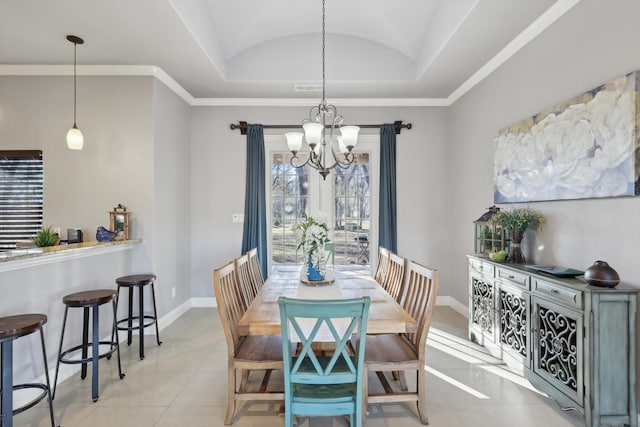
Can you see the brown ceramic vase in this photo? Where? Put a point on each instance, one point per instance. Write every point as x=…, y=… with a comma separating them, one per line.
x=601, y=274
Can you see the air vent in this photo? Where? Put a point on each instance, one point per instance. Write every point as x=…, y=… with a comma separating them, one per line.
x=308, y=88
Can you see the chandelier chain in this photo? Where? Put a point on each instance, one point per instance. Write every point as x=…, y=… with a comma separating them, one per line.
x=323, y=55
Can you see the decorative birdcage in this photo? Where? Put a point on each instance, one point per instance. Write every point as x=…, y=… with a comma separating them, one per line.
x=489, y=237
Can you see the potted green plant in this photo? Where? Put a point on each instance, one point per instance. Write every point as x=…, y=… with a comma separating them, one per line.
x=517, y=221
x=45, y=237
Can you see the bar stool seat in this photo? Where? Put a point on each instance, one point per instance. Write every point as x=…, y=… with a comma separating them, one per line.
x=138, y=281
x=12, y=328
x=89, y=300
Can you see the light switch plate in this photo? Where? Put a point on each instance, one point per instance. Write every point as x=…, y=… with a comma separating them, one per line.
x=237, y=218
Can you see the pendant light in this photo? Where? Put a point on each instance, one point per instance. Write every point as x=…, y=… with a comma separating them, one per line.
x=75, y=140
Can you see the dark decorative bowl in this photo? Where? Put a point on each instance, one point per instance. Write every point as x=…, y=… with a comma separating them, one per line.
x=601, y=274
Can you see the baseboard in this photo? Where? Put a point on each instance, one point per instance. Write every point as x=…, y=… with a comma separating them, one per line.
x=454, y=304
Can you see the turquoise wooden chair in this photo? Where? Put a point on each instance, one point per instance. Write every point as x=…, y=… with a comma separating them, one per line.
x=323, y=385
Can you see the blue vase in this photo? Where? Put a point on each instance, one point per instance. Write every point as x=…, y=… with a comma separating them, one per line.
x=312, y=272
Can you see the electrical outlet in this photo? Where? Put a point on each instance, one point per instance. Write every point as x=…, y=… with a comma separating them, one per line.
x=237, y=218
x=173, y=292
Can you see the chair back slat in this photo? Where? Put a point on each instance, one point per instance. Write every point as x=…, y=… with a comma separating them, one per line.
x=383, y=264
x=420, y=301
x=245, y=279
x=395, y=276
x=256, y=270
x=230, y=304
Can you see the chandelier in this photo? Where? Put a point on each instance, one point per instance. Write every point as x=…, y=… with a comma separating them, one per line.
x=323, y=155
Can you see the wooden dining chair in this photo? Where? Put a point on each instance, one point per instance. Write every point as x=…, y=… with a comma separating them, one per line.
x=394, y=279
x=244, y=353
x=390, y=353
x=383, y=264
x=323, y=385
x=256, y=269
x=246, y=283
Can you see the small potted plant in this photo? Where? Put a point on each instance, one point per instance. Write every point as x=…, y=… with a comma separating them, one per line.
x=517, y=221
x=45, y=237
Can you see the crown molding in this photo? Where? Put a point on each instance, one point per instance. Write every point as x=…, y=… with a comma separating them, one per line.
x=306, y=102
x=98, y=70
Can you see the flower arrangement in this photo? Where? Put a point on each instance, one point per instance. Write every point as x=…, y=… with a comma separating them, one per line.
x=517, y=221
x=313, y=235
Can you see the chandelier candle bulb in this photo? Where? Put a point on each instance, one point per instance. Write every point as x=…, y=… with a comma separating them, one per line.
x=349, y=136
x=294, y=141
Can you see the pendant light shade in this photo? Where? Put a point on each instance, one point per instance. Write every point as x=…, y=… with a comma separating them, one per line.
x=75, y=140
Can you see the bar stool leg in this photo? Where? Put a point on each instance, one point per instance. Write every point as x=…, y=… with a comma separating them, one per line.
x=130, y=317
x=141, y=319
x=85, y=340
x=64, y=326
x=46, y=375
x=95, y=337
x=115, y=328
x=7, y=383
x=155, y=313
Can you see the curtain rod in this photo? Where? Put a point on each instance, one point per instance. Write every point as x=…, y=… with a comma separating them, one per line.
x=243, y=126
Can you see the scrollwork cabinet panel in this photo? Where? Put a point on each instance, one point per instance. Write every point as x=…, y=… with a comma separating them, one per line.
x=482, y=312
x=514, y=316
x=558, y=347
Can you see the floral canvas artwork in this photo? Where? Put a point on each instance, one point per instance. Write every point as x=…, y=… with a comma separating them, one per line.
x=586, y=147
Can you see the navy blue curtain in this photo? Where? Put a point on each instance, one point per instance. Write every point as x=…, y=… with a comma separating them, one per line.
x=388, y=216
x=255, y=212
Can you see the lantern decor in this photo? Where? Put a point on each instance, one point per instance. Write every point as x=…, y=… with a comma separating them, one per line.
x=119, y=222
x=489, y=237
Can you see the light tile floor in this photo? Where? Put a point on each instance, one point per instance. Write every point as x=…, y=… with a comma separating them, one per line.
x=182, y=384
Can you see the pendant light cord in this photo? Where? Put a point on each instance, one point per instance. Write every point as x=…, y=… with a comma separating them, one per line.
x=75, y=48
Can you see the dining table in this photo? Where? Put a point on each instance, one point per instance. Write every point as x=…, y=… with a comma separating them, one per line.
x=263, y=315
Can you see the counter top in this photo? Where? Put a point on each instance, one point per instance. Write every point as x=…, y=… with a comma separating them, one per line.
x=21, y=258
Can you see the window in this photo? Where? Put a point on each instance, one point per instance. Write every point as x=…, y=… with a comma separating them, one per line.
x=21, y=196
x=348, y=197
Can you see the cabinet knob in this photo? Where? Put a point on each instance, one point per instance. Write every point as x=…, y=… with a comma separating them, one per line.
x=555, y=291
x=511, y=276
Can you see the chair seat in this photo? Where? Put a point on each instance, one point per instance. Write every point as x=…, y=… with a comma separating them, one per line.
x=389, y=349
x=312, y=393
x=260, y=348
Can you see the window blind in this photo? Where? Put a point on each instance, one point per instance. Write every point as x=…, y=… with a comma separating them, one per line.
x=21, y=196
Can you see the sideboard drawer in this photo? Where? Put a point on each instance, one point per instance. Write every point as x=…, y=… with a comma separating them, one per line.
x=481, y=267
x=561, y=294
x=513, y=277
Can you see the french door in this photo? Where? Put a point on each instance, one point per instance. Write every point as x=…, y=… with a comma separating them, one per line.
x=346, y=199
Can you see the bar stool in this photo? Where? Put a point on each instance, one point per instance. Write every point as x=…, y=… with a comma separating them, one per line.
x=138, y=281
x=88, y=300
x=11, y=328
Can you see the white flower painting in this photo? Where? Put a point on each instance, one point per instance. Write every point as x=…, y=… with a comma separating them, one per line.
x=584, y=148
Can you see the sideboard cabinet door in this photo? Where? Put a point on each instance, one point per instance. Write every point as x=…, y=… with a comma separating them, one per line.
x=558, y=348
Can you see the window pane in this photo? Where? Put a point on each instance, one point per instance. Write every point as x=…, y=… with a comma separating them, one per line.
x=289, y=201
x=352, y=212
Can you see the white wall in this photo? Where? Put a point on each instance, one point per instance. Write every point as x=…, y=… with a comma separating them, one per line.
x=171, y=198
x=136, y=152
x=593, y=43
x=218, y=182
